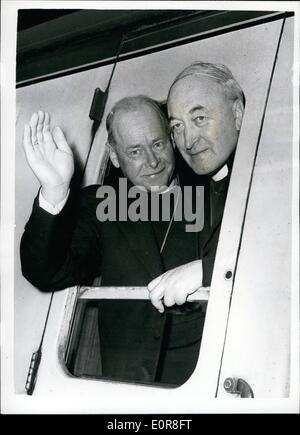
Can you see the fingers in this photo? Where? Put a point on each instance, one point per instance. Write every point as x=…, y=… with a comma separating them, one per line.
x=157, y=303
x=27, y=141
x=40, y=126
x=156, y=296
x=174, y=298
x=27, y=137
x=167, y=295
x=46, y=128
x=156, y=293
x=171, y=288
x=39, y=141
x=154, y=282
x=32, y=151
x=33, y=126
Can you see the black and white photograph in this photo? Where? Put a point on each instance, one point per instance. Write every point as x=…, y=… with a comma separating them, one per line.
x=149, y=209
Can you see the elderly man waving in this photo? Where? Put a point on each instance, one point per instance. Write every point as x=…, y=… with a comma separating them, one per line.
x=65, y=243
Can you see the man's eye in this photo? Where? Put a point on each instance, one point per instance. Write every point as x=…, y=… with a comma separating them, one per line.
x=135, y=153
x=158, y=146
x=177, y=127
x=200, y=119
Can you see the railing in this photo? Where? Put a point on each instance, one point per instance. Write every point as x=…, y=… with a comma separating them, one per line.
x=132, y=293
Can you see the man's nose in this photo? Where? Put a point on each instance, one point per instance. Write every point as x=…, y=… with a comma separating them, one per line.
x=151, y=158
x=190, y=137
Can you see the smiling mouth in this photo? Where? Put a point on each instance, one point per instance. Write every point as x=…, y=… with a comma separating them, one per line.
x=154, y=174
x=198, y=153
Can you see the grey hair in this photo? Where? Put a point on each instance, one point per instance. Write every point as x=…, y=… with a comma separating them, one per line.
x=132, y=104
x=218, y=72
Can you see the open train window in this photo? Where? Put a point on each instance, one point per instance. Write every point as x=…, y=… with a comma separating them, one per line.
x=139, y=356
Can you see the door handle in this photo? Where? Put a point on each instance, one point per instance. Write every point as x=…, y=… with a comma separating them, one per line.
x=238, y=386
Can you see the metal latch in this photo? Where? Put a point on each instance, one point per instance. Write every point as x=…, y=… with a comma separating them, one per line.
x=238, y=386
x=32, y=373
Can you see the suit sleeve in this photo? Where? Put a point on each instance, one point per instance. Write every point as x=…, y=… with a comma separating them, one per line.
x=58, y=251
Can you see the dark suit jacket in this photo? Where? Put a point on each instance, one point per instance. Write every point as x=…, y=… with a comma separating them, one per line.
x=215, y=199
x=74, y=247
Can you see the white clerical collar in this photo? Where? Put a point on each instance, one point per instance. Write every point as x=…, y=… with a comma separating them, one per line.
x=157, y=189
x=173, y=183
x=222, y=173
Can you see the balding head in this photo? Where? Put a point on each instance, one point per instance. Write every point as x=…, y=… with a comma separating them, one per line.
x=131, y=105
x=220, y=73
x=138, y=135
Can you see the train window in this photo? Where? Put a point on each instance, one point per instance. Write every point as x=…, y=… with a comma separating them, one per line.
x=153, y=351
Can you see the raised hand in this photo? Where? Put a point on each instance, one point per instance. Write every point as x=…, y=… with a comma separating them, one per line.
x=175, y=285
x=49, y=156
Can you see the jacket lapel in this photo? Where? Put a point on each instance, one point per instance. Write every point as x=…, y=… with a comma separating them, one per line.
x=142, y=242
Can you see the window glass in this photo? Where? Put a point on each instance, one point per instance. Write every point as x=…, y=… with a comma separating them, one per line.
x=160, y=349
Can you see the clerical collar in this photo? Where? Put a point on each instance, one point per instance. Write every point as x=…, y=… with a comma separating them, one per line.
x=173, y=183
x=156, y=189
x=222, y=173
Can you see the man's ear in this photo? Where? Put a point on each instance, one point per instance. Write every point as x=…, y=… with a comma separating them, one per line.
x=238, y=112
x=113, y=156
